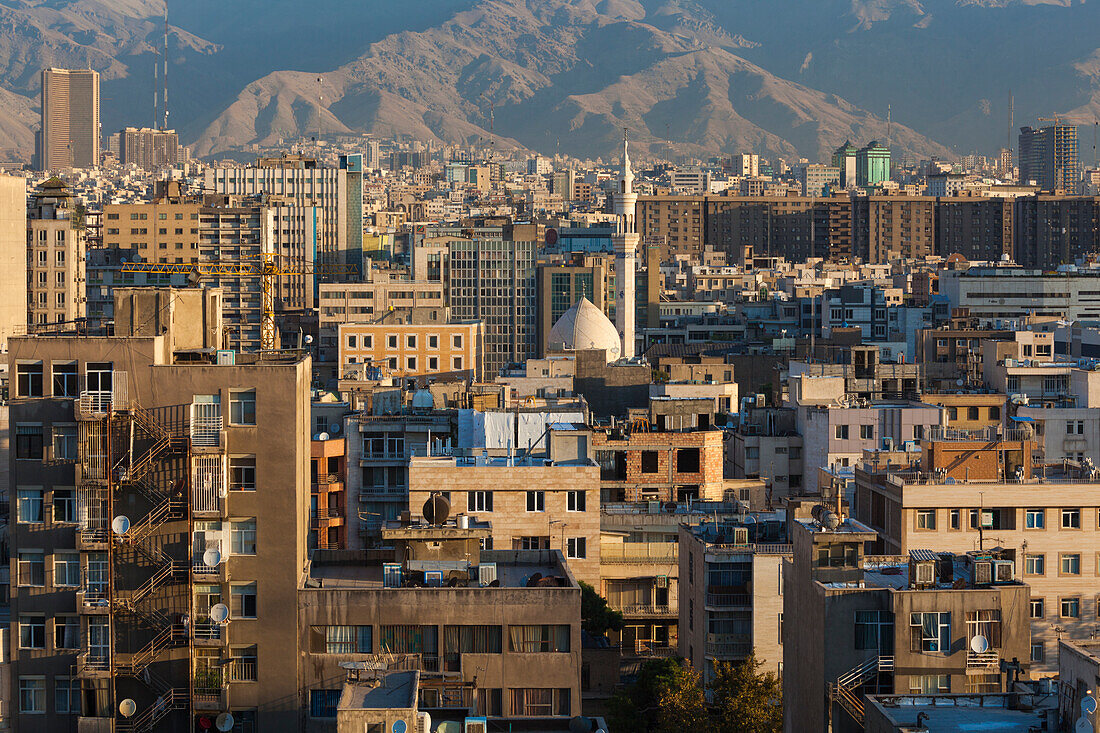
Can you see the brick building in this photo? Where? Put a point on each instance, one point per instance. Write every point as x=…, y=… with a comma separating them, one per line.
x=659, y=466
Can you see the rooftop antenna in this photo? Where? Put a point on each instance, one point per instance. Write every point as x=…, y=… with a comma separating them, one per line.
x=1011, y=119
x=889, y=124
x=156, y=88
x=320, y=102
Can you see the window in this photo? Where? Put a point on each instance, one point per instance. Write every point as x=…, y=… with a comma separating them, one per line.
x=242, y=473
x=28, y=442
x=1070, y=564
x=929, y=684
x=32, y=694
x=433, y=341
x=930, y=632
x=29, y=379
x=531, y=543
x=472, y=639
x=243, y=600
x=649, y=461
x=322, y=703
x=391, y=342
x=66, y=568
x=64, y=442
x=456, y=363
x=410, y=363
x=479, y=501
x=985, y=623
x=574, y=501
x=32, y=632
x=1035, y=564
x=1071, y=519
x=866, y=432
x=1038, y=608
x=1037, y=651
x=242, y=407
x=926, y=519
x=433, y=363
x=1075, y=427
x=66, y=632
x=875, y=630
x=341, y=639
x=32, y=568
x=1071, y=608
x=242, y=537
x=752, y=453
x=575, y=548
x=955, y=517
x=351, y=342
x=66, y=696
x=538, y=638
x=536, y=501
x=1035, y=519
x=410, y=342
x=841, y=432
x=687, y=460
x=30, y=506
x=457, y=341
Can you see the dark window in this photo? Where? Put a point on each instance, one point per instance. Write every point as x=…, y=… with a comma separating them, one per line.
x=28, y=441
x=649, y=461
x=322, y=703
x=687, y=460
x=29, y=378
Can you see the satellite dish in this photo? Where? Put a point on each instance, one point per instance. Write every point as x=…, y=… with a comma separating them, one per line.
x=219, y=613
x=829, y=520
x=979, y=644
x=1088, y=704
x=959, y=382
x=334, y=428
x=127, y=708
x=224, y=722
x=120, y=525
x=211, y=558
x=323, y=436
x=580, y=724
x=449, y=726
x=437, y=509
x=399, y=726
x=950, y=480
x=309, y=339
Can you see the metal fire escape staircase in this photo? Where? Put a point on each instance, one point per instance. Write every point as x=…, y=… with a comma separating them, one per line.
x=844, y=690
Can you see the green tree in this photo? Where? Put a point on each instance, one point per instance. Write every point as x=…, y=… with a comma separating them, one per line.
x=633, y=709
x=597, y=618
x=681, y=703
x=745, y=700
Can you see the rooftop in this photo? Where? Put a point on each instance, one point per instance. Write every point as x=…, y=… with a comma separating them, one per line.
x=391, y=690
x=960, y=713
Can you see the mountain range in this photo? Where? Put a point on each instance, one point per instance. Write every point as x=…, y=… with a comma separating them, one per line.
x=789, y=78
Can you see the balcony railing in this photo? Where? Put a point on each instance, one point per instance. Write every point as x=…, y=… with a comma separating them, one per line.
x=242, y=671
x=736, y=600
x=991, y=658
x=208, y=483
x=642, y=609
x=208, y=631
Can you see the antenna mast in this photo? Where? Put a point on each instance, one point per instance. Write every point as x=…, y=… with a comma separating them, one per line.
x=165, y=98
x=320, y=102
x=889, y=124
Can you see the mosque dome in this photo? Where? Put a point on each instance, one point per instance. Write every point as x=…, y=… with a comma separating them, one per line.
x=584, y=326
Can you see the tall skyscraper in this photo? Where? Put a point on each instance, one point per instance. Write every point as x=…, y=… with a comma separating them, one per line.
x=872, y=164
x=625, y=243
x=148, y=148
x=1048, y=156
x=70, y=119
x=844, y=158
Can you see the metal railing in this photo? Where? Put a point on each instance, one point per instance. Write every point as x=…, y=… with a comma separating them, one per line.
x=208, y=484
x=736, y=600
x=991, y=658
x=208, y=631
x=642, y=609
x=242, y=671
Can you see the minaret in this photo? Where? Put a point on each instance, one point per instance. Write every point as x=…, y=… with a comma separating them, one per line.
x=625, y=243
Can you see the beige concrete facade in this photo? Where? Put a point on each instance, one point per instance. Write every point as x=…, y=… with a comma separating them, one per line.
x=554, y=507
x=444, y=350
x=13, y=257
x=55, y=257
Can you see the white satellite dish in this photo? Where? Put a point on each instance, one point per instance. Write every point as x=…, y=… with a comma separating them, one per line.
x=1088, y=704
x=979, y=644
x=127, y=708
x=322, y=436
x=224, y=722
x=211, y=558
x=120, y=525
x=219, y=613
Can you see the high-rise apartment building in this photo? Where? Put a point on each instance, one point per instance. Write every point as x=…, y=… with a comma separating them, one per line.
x=844, y=159
x=889, y=228
x=978, y=228
x=147, y=148
x=70, y=119
x=148, y=500
x=490, y=277
x=55, y=257
x=13, y=257
x=1048, y=156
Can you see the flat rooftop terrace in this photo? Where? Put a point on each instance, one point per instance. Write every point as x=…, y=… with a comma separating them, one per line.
x=956, y=713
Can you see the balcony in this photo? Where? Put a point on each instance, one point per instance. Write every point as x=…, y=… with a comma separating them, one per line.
x=729, y=600
x=208, y=485
x=208, y=633
x=93, y=600
x=93, y=665
x=393, y=493
x=642, y=610
x=95, y=403
x=326, y=517
x=242, y=670
x=209, y=689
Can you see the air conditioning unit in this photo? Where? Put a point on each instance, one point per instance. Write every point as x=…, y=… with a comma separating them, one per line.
x=486, y=573
x=1004, y=571
x=662, y=581
x=433, y=578
x=983, y=573
x=423, y=723
x=740, y=535
x=476, y=725
x=391, y=575
x=926, y=573
x=987, y=520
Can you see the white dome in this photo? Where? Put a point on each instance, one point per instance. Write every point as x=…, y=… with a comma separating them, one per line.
x=584, y=326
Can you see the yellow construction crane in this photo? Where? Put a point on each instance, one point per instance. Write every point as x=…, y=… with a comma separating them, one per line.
x=268, y=267
x=1066, y=118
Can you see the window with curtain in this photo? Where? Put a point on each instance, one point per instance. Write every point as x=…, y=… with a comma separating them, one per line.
x=875, y=630
x=341, y=639
x=322, y=703
x=459, y=640
x=410, y=639
x=539, y=701
x=538, y=638
x=930, y=632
